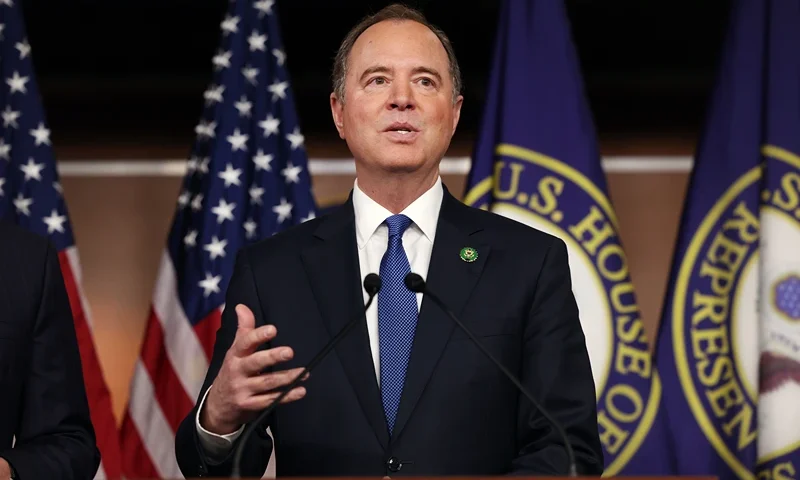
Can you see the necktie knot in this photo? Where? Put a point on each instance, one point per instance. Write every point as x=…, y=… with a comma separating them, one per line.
x=397, y=224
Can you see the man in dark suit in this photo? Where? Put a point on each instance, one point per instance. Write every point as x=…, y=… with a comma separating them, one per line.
x=45, y=427
x=406, y=393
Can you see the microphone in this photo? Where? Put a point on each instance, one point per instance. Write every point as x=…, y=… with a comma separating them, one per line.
x=416, y=284
x=372, y=284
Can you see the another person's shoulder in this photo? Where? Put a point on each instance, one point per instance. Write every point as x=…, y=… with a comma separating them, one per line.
x=20, y=243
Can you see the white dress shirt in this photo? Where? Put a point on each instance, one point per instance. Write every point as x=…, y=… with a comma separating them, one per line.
x=372, y=236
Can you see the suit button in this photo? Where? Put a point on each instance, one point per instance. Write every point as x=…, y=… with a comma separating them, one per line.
x=393, y=464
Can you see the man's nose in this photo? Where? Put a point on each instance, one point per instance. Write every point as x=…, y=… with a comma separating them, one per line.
x=402, y=96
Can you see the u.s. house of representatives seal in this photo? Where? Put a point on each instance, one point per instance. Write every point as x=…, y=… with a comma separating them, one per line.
x=554, y=197
x=737, y=320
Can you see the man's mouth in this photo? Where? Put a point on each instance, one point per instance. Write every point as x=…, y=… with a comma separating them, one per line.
x=402, y=128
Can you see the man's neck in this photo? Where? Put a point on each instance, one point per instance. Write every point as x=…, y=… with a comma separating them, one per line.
x=396, y=192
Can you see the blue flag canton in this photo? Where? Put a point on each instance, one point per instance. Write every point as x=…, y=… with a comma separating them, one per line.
x=30, y=191
x=248, y=173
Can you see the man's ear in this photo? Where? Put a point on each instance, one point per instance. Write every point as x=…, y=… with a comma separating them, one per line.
x=457, y=112
x=337, y=111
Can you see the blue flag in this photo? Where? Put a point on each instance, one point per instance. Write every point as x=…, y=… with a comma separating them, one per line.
x=729, y=346
x=537, y=161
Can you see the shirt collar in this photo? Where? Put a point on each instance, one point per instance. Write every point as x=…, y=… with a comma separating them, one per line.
x=423, y=212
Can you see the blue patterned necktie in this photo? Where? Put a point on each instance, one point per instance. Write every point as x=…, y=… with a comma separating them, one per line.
x=397, y=318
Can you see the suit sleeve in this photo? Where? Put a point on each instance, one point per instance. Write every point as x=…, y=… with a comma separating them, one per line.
x=55, y=437
x=556, y=368
x=192, y=458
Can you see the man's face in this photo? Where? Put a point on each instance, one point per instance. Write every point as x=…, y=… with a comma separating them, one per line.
x=398, y=114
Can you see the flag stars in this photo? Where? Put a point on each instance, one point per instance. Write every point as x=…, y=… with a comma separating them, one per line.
x=197, y=202
x=24, y=48
x=270, y=125
x=214, y=94
x=238, y=140
x=183, y=199
x=202, y=164
x=243, y=106
x=32, y=170
x=292, y=173
x=280, y=56
x=216, y=248
x=311, y=216
x=250, y=74
x=250, y=228
x=5, y=150
x=230, y=25
x=17, y=83
x=230, y=175
x=55, y=222
x=257, y=42
x=255, y=195
x=210, y=284
x=41, y=134
x=296, y=138
x=205, y=129
x=262, y=161
x=264, y=7
x=223, y=211
x=23, y=205
x=190, y=240
x=283, y=210
x=278, y=90
x=10, y=117
x=222, y=60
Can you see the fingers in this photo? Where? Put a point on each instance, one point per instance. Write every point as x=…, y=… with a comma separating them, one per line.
x=272, y=381
x=247, y=341
x=259, y=402
x=247, y=321
x=256, y=362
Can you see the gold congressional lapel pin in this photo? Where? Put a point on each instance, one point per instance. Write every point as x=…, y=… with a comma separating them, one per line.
x=468, y=254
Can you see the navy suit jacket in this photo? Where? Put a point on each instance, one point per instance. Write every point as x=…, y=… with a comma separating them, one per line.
x=42, y=396
x=458, y=414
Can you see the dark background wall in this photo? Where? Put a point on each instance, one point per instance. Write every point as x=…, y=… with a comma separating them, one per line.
x=115, y=71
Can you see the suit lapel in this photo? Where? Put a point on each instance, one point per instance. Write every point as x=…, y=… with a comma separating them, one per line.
x=333, y=269
x=452, y=280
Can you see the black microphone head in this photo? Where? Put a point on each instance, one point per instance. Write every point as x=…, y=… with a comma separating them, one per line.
x=372, y=283
x=414, y=282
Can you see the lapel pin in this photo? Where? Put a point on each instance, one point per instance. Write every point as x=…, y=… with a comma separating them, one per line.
x=468, y=254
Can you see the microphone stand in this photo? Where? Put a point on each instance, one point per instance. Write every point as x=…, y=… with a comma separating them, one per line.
x=416, y=284
x=372, y=284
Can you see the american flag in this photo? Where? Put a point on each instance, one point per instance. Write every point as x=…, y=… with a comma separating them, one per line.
x=247, y=179
x=31, y=196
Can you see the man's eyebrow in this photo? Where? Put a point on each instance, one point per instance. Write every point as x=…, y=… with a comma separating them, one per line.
x=375, y=69
x=385, y=69
x=429, y=71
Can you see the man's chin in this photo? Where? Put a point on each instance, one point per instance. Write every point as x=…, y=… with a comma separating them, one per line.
x=402, y=167
x=398, y=161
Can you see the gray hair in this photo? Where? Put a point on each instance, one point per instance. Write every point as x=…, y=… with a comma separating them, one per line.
x=392, y=12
